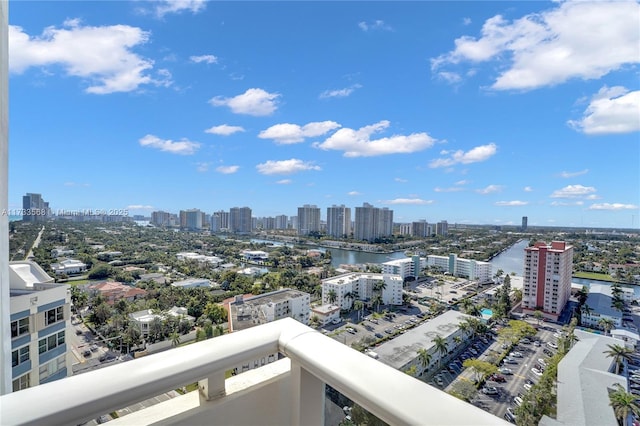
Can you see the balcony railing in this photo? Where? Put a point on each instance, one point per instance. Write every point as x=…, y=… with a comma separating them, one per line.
x=295, y=392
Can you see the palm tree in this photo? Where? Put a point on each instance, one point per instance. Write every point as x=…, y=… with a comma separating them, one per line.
x=424, y=357
x=348, y=295
x=377, y=300
x=623, y=404
x=358, y=306
x=619, y=354
x=175, y=339
x=440, y=344
x=332, y=296
x=607, y=324
x=464, y=326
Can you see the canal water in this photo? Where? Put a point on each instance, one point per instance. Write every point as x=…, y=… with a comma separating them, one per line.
x=511, y=260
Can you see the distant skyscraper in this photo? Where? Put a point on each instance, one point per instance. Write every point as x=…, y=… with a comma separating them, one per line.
x=240, y=220
x=525, y=219
x=191, y=219
x=420, y=229
x=219, y=221
x=547, y=278
x=281, y=221
x=338, y=221
x=35, y=209
x=442, y=228
x=160, y=218
x=308, y=219
x=372, y=223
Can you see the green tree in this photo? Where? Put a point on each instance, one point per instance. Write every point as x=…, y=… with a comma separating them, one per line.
x=620, y=354
x=607, y=324
x=481, y=369
x=424, y=358
x=538, y=315
x=332, y=296
x=440, y=345
x=623, y=404
x=175, y=339
x=358, y=305
x=215, y=312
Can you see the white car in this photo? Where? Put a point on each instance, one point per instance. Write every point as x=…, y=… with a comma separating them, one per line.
x=536, y=371
x=542, y=362
x=517, y=400
x=528, y=386
x=515, y=355
x=490, y=390
x=505, y=370
x=552, y=345
x=536, y=343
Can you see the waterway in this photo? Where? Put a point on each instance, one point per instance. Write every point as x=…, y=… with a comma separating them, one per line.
x=511, y=260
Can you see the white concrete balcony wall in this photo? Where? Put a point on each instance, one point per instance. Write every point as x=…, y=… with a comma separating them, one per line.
x=290, y=391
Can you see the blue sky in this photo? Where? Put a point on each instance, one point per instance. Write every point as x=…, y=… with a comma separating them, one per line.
x=471, y=112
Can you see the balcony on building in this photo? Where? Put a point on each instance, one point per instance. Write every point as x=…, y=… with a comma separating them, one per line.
x=288, y=391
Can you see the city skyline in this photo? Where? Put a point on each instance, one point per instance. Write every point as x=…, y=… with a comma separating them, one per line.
x=479, y=114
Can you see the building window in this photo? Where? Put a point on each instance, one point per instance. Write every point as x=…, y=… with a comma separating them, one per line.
x=21, y=382
x=19, y=327
x=54, y=315
x=52, y=367
x=51, y=342
x=20, y=356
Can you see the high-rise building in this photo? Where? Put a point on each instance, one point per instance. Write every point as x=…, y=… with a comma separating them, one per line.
x=442, y=228
x=420, y=229
x=525, y=219
x=219, y=221
x=281, y=222
x=547, y=278
x=338, y=221
x=308, y=219
x=372, y=223
x=240, y=220
x=192, y=219
x=161, y=218
x=34, y=208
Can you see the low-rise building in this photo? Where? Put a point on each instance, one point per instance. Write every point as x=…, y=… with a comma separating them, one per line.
x=407, y=267
x=114, y=291
x=402, y=352
x=326, y=313
x=156, y=277
x=464, y=268
x=61, y=251
x=255, y=255
x=598, y=306
x=192, y=283
x=69, y=267
x=267, y=307
x=40, y=317
x=343, y=290
x=145, y=317
x=211, y=260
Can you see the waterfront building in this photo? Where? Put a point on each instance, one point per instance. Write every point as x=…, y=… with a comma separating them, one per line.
x=40, y=320
x=547, y=278
x=599, y=303
x=191, y=219
x=475, y=270
x=407, y=267
x=34, y=208
x=162, y=218
x=308, y=219
x=281, y=222
x=404, y=229
x=338, y=221
x=69, y=267
x=240, y=220
x=219, y=221
x=254, y=255
x=420, y=229
x=351, y=286
x=372, y=223
x=251, y=311
x=525, y=221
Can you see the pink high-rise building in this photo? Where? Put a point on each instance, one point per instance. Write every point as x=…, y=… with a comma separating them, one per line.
x=547, y=278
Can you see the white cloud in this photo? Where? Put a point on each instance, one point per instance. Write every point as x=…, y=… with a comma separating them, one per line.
x=358, y=143
x=567, y=175
x=139, y=207
x=490, y=189
x=284, y=181
x=410, y=201
x=374, y=25
x=450, y=189
x=202, y=167
x=462, y=182
x=285, y=167
x=354, y=193
x=613, y=206
x=76, y=184
x=612, y=110
x=164, y=7
x=450, y=77
x=474, y=155
x=209, y=59
x=572, y=40
x=567, y=203
x=227, y=170
x=285, y=133
x=224, y=130
x=514, y=203
x=466, y=21
x=182, y=147
x=573, y=191
x=400, y=180
x=339, y=93
x=527, y=189
x=102, y=56
x=257, y=102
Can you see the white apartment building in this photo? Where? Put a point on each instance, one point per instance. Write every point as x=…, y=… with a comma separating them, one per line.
x=40, y=318
x=599, y=303
x=192, y=283
x=326, y=313
x=466, y=268
x=267, y=307
x=361, y=286
x=338, y=221
x=145, y=317
x=69, y=267
x=308, y=219
x=547, y=278
x=407, y=267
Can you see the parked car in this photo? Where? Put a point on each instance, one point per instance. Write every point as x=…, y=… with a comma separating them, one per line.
x=490, y=390
x=505, y=370
x=528, y=386
x=439, y=381
x=526, y=341
x=388, y=331
x=542, y=362
x=547, y=352
x=94, y=348
x=517, y=400
x=510, y=361
x=515, y=354
x=497, y=378
x=86, y=353
x=536, y=371
x=552, y=345
x=510, y=418
x=379, y=335
x=536, y=343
